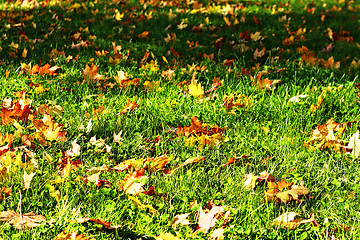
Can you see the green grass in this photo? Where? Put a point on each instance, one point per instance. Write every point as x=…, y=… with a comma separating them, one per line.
x=332, y=177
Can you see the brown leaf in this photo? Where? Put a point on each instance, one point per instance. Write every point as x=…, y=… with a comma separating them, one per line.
x=90, y=73
x=27, y=220
x=295, y=193
x=129, y=107
x=98, y=221
x=263, y=84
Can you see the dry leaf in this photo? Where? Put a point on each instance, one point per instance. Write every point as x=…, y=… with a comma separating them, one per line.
x=27, y=179
x=218, y=234
x=180, y=219
x=354, y=145
x=142, y=206
x=27, y=220
x=207, y=217
x=71, y=236
x=287, y=220
x=296, y=99
x=133, y=182
x=98, y=221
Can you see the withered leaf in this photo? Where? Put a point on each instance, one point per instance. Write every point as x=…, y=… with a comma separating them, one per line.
x=27, y=220
x=287, y=220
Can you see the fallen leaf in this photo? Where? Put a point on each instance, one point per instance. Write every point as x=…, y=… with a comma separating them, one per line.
x=297, y=98
x=295, y=193
x=142, y=206
x=27, y=179
x=27, y=220
x=129, y=107
x=132, y=183
x=263, y=84
x=166, y=236
x=98, y=221
x=195, y=89
x=180, y=219
x=71, y=236
x=354, y=145
x=218, y=234
x=287, y=220
x=207, y=217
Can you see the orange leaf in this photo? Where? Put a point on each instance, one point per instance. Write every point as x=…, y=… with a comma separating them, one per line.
x=98, y=221
x=129, y=107
x=263, y=84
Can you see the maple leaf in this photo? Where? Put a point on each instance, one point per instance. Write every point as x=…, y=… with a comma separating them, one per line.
x=195, y=89
x=20, y=110
x=54, y=193
x=251, y=179
x=143, y=34
x=324, y=136
x=27, y=179
x=90, y=73
x=50, y=110
x=71, y=235
x=136, y=164
x=156, y=164
x=330, y=63
x=259, y=53
x=309, y=58
x=204, y=139
x=49, y=129
x=293, y=194
x=55, y=53
x=5, y=192
x=207, y=217
x=129, y=107
x=188, y=161
x=152, y=86
x=297, y=98
x=168, y=74
x=142, y=206
x=218, y=234
x=263, y=84
x=229, y=102
x=287, y=220
x=98, y=221
x=27, y=220
x=180, y=219
x=123, y=80
x=117, y=137
x=133, y=183
x=74, y=150
x=354, y=145
x=234, y=160
x=166, y=236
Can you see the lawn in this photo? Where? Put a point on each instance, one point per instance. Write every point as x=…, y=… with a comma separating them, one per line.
x=179, y=119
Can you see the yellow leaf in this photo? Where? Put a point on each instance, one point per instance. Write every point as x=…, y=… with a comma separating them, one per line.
x=167, y=236
x=196, y=89
x=141, y=206
x=151, y=86
x=54, y=193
